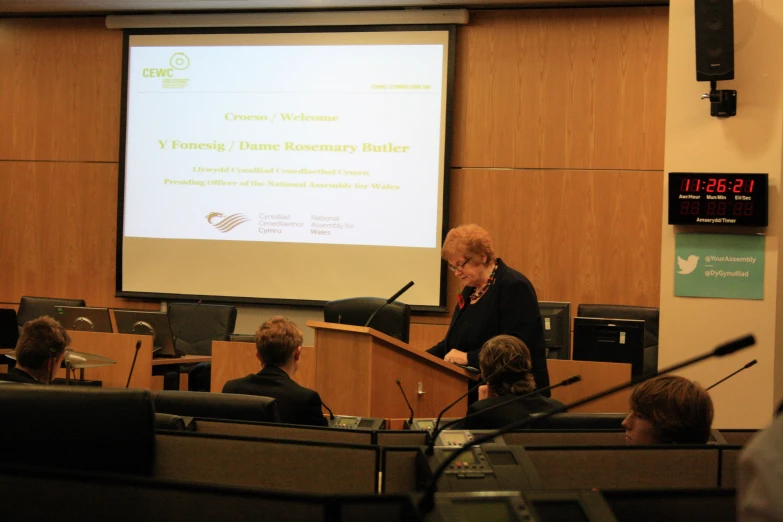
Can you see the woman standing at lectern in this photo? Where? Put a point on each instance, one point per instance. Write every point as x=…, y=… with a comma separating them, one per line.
x=495, y=300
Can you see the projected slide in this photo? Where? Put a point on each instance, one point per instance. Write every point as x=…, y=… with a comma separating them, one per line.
x=317, y=144
x=284, y=166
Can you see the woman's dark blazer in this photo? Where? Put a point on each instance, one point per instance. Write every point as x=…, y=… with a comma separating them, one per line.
x=511, y=308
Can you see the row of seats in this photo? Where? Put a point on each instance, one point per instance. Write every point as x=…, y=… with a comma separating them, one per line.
x=90, y=424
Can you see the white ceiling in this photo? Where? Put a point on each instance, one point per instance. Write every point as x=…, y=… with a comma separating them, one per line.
x=126, y=6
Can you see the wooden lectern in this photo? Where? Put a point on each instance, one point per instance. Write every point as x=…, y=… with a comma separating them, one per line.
x=357, y=369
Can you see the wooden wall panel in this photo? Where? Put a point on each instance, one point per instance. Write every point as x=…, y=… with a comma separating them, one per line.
x=59, y=89
x=579, y=236
x=561, y=88
x=556, y=89
x=59, y=229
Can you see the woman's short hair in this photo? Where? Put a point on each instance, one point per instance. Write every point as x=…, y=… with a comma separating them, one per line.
x=680, y=410
x=470, y=241
x=41, y=339
x=277, y=339
x=517, y=376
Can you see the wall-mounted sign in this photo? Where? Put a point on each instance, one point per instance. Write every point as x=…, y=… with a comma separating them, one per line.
x=719, y=265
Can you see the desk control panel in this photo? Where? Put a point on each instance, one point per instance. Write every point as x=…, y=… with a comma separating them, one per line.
x=471, y=463
x=357, y=423
x=425, y=424
x=452, y=438
x=489, y=467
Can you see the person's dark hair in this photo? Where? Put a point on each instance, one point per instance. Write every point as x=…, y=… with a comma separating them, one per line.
x=680, y=410
x=276, y=340
x=517, y=377
x=41, y=339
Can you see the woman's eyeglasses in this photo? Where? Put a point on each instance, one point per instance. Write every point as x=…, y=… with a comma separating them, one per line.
x=460, y=266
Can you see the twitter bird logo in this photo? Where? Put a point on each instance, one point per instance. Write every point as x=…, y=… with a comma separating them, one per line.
x=687, y=265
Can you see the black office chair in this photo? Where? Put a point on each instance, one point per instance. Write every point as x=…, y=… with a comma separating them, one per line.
x=32, y=307
x=194, y=327
x=76, y=428
x=650, y=316
x=217, y=406
x=393, y=319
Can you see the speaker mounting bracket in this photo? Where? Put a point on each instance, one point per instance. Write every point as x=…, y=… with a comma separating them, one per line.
x=723, y=103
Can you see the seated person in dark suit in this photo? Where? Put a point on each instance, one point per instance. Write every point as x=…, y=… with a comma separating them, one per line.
x=279, y=345
x=669, y=410
x=39, y=352
x=516, y=380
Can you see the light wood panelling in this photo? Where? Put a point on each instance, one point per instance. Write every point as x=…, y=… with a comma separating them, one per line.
x=561, y=88
x=60, y=86
x=550, y=89
x=579, y=236
x=59, y=232
x=425, y=336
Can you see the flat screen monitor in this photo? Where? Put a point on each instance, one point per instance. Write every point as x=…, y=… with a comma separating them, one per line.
x=557, y=328
x=9, y=331
x=610, y=340
x=83, y=318
x=148, y=323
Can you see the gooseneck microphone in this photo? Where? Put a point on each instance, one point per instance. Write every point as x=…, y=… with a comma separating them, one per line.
x=410, y=421
x=388, y=301
x=427, y=502
x=133, y=364
x=475, y=387
x=182, y=329
x=331, y=415
x=565, y=382
x=751, y=363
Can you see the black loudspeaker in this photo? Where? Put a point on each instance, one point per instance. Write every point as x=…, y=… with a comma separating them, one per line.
x=714, y=40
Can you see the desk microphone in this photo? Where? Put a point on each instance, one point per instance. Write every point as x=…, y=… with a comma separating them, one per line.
x=751, y=363
x=410, y=421
x=331, y=415
x=388, y=301
x=565, y=382
x=133, y=364
x=475, y=387
x=427, y=502
x=184, y=326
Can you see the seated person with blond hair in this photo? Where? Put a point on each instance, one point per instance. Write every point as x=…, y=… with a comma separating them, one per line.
x=39, y=352
x=669, y=410
x=512, y=382
x=279, y=347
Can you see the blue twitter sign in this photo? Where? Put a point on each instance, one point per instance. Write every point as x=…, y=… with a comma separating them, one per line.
x=719, y=265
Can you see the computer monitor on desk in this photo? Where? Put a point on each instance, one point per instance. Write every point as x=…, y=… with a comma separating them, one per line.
x=84, y=318
x=610, y=340
x=148, y=323
x=557, y=328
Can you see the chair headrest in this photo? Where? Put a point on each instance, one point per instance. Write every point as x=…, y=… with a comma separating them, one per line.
x=88, y=429
x=393, y=319
x=32, y=307
x=217, y=406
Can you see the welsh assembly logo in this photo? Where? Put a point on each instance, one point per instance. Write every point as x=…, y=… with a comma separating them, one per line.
x=687, y=265
x=226, y=223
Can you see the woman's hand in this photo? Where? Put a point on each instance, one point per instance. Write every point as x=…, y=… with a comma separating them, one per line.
x=456, y=357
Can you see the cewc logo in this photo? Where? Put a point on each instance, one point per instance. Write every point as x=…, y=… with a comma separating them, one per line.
x=687, y=265
x=178, y=61
x=226, y=223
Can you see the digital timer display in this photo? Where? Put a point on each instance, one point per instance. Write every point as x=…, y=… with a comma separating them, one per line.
x=718, y=199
